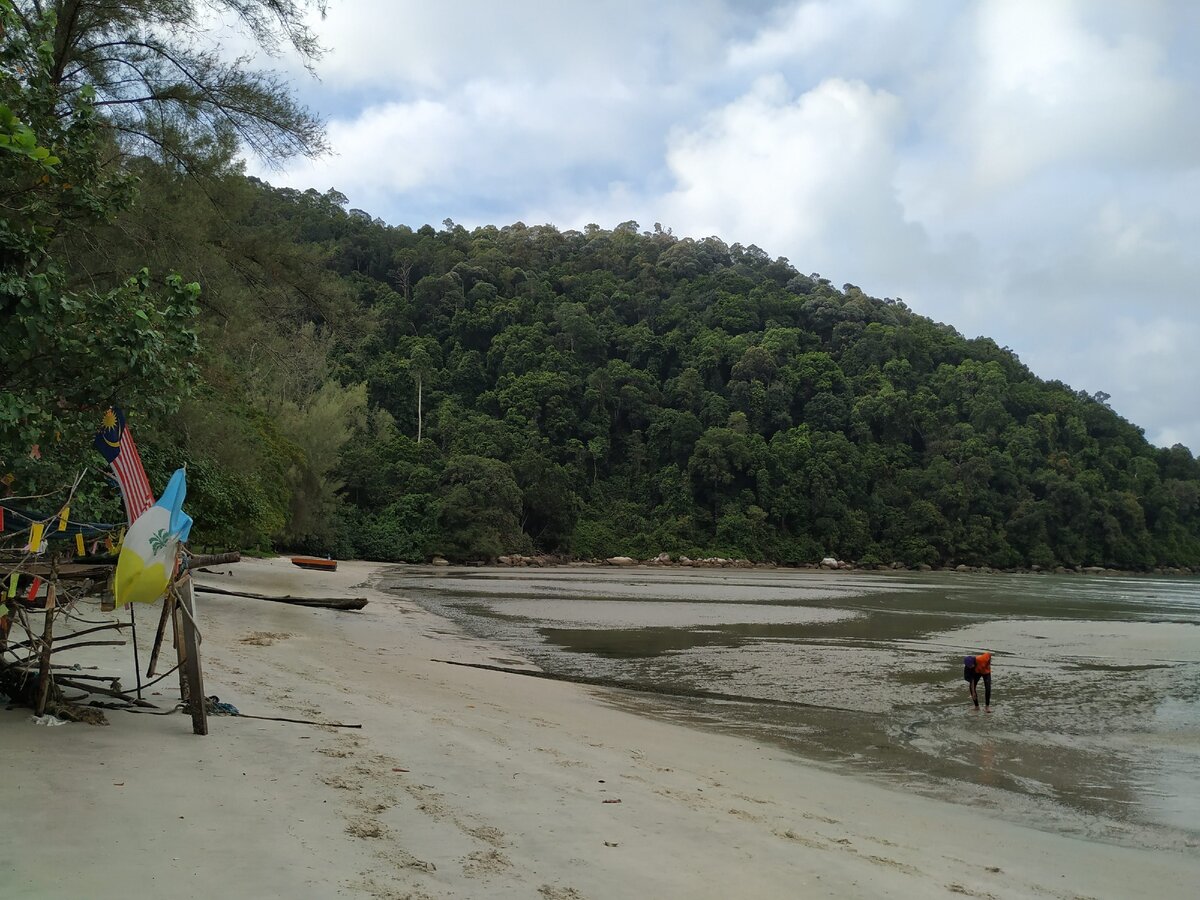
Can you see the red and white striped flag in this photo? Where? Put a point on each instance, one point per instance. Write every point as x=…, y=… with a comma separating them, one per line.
x=115, y=442
x=135, y=486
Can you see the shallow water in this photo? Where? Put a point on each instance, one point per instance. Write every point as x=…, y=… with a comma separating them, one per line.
x=1095, y=726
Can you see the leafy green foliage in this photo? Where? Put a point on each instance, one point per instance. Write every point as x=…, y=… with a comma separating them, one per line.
x=66, y=354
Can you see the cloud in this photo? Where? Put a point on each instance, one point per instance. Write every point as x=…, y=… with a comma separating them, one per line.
x=804, y=173
x=1048, y=91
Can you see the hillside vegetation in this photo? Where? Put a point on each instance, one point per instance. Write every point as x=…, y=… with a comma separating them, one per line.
x=629, y=392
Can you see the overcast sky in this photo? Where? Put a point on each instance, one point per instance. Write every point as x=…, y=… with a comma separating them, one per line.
x=1023, y=169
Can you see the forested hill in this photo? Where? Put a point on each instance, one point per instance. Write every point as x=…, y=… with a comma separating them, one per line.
x=629, y=392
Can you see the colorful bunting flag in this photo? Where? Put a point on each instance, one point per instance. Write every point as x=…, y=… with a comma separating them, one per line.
x=12, y=585
x=34, y=588
x=35, y=537
x=79, y=543
x=62, y=518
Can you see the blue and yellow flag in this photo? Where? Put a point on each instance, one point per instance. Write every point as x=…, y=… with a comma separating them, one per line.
x=147, y=558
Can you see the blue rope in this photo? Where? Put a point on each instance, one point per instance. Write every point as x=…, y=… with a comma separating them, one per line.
x=217, y=708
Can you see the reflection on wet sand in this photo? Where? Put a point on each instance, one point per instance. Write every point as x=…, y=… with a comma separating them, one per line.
x=1096, y=691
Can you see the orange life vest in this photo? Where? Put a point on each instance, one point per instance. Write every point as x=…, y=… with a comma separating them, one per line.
x=983, y=664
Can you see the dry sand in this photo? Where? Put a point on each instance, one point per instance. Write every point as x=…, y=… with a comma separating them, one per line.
x=471, y=784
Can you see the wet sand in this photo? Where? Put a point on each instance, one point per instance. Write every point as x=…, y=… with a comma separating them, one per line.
x=467, y=783
x=1096, y=725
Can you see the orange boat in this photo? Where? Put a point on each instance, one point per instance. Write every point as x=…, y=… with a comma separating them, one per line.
x=313, y=562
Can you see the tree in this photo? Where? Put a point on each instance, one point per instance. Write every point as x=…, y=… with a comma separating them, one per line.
x=480, y=509
x=159, y=80
x=66, y=355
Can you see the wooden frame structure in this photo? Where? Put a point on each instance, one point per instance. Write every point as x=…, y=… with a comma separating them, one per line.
x=28, y=672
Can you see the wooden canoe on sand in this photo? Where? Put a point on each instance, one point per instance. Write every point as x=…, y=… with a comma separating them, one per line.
x=315, y=562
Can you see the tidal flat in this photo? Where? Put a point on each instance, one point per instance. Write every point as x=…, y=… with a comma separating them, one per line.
x=1095, y=725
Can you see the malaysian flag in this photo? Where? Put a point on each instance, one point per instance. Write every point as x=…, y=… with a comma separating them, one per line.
x=115, y=443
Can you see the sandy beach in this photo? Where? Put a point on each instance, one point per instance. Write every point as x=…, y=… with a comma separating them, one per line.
x=472, y=784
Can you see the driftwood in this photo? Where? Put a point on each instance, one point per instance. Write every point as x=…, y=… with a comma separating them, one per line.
x=108, y=692
x=88, y=644
x=25, y=690
x=323, y=602
x=213, y=559
x=115, y=625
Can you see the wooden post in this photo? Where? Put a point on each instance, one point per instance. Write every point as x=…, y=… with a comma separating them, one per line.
x=177, y=642
x=43, y=694
x=190, y=651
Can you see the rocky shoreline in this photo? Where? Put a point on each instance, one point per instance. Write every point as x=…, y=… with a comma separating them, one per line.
x=828, y=564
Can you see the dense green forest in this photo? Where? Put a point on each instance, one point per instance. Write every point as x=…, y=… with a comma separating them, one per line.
x=340, y=385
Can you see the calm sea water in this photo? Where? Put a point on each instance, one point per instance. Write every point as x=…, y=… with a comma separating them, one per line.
x=1095, y=727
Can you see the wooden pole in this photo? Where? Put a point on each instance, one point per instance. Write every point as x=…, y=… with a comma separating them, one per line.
x=177, y=642
x=137, y=666
x=43, y=693
x=168, y=605
x=191, y=661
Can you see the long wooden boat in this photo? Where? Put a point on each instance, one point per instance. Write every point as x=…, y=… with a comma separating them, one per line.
x=314, y=562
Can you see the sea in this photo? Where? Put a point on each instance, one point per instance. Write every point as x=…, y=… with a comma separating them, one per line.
x=1094, y=728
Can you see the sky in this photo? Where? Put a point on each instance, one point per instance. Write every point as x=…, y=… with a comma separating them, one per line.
x=1022, y=169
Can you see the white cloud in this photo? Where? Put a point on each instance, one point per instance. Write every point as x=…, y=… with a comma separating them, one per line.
x=806, y=174
x=439, y=46
x=1048, y=91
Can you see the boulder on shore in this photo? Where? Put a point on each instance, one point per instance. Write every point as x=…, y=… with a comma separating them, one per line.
x=829, y=563
x=439, y=561
x=621, y=561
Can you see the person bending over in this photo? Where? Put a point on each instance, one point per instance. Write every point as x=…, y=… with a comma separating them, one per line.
x=975, y=668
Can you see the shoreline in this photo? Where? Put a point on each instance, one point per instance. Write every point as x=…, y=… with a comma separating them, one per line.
x=465, y=783
x=546, y=561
